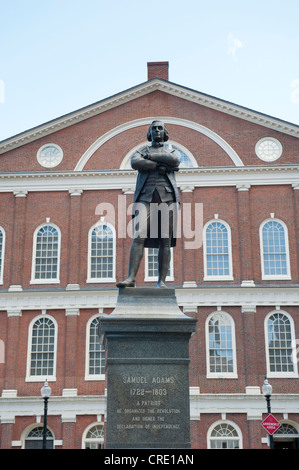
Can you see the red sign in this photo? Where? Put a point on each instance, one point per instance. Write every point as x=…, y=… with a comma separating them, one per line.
x=271, y=424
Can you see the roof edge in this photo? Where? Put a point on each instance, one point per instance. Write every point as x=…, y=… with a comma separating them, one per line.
x=129, y=94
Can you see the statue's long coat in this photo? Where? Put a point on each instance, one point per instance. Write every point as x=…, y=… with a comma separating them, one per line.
x=144, y=167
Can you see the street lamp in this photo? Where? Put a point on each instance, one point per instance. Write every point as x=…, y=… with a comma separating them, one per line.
x=267, y=392
x=46, y=393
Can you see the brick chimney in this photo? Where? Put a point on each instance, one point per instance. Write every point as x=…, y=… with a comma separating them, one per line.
x=157, y=69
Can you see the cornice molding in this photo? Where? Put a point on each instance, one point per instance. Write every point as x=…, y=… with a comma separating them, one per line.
x=75, y=182
x=60, y=405
x=70, y=407
x=140, y=90
x=219, y=296
x=252, y=405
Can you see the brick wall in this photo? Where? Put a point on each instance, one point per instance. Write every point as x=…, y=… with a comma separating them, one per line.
x=243, y=211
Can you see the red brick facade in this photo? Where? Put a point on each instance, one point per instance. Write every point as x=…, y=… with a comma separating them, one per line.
x=232, y=185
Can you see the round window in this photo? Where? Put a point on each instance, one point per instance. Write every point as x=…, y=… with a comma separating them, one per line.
x=49, y=155
x=268, y=149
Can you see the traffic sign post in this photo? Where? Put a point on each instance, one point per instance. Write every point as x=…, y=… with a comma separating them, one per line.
x=271, y=425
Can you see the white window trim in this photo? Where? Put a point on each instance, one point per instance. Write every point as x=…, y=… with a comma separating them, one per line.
x=230, y=276
x=49, y=144
x=97, y=423
x=276, y=276
x=2, y=254
x=221, y=375
x=231, y=423
x=102, y=279
x=270, y=374
x=272, y=139
x=89, y=376
x=29, y=428
x=40, y=378
x=45, y=281
x=287, y=436
x=148, y=278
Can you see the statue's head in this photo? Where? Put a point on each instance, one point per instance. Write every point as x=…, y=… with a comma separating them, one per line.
x=157, y=132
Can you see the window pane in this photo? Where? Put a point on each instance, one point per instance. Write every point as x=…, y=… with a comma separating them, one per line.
x=152, y=263
x=185, y=161
x=46, y=255
x=102, y=252
x=42, y=347
x=220, y=344
x=280, y=343
x=224, y=444
x=34, y=440
x=96, y=350
x=274, y=249
x=224, y=436
x=95, y=438
x=217, y=249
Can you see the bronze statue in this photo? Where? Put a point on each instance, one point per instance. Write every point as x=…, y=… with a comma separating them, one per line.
x=155, y=186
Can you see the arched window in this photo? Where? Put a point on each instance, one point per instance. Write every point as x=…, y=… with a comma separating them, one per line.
x=224, y=435
x=280, y=345
x=286, y=436
x=42, y=342
x=186, y=161
x=34, y=439
x=221, y=348
x=151, y=265
x=286, y=429
x=101, y=258
x=93, y=437
x=46, y=255
x=95, y=352
x=2, y=248
x=217, y=251
x=274, y=250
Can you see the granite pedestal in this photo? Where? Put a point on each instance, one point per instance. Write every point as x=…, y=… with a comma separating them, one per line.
x=147, y=342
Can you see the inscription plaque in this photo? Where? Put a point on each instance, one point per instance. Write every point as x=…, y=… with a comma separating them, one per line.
x=150, y=402
x=148, y=380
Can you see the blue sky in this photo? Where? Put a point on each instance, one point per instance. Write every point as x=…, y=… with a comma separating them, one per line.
x=57, y=56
